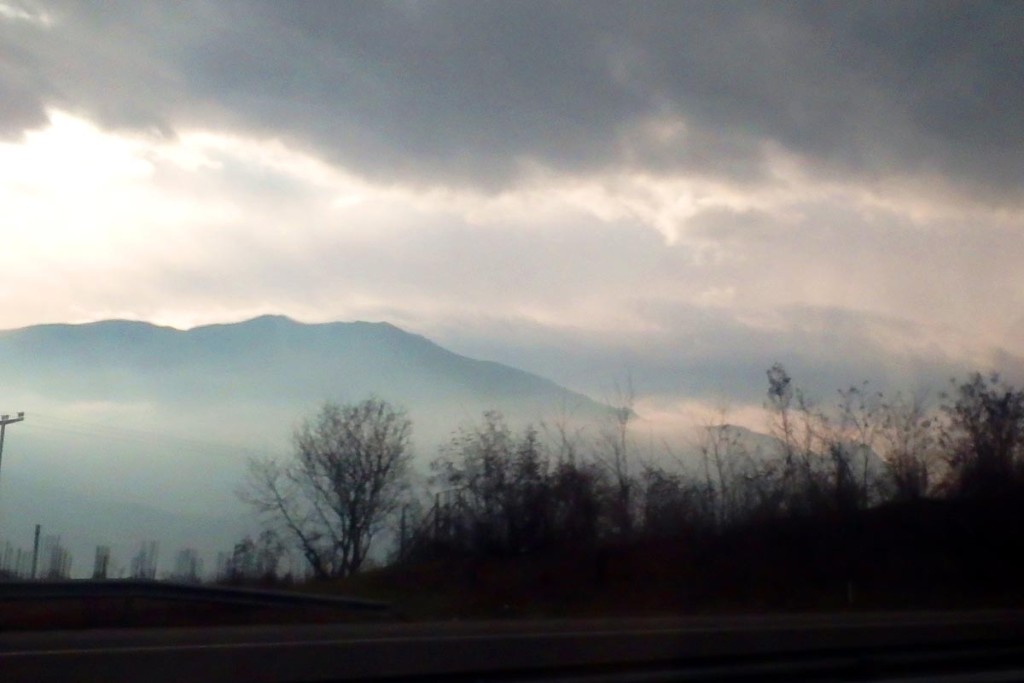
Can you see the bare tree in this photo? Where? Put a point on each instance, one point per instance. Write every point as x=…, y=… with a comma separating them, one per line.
x=563, y=435
x=827, y=454
x=855, y=480
x=792, y=423
x=908, y=445
x=578, y=491
x=734, y=484
x=616, y=458
x=344, y=480
x=983, y=436
x=501, y=483
x=256, y=559
x=671, y=502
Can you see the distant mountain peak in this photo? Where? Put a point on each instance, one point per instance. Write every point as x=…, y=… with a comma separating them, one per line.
x=271, y=359
x=270, y=319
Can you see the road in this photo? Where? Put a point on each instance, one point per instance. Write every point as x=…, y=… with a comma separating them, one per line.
x=863, y=646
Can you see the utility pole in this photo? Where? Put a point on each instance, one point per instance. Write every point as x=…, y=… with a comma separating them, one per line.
x=35, y=551
x=4, y=421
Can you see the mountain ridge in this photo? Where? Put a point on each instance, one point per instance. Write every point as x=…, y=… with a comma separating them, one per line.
x=274, y=346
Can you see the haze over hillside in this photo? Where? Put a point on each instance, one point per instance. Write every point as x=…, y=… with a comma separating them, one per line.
x=138, y=432
x=272, y=361
x=128, y=412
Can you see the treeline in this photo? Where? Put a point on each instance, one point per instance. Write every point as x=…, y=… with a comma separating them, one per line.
x=507, y=492
x=828, y=473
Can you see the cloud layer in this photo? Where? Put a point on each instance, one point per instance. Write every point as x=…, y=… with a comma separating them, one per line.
x=476, y=92
x=684, y=191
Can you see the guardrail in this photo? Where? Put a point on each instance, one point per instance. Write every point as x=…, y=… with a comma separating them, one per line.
x=163, y=590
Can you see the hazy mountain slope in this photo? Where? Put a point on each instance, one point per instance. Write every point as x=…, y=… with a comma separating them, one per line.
x=268, y=360
x=123, y=414
x=762, y=447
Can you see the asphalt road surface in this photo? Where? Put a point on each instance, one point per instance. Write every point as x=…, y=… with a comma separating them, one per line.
x=972, y=646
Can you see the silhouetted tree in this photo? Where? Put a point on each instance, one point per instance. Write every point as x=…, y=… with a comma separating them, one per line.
x=500, y=484
x=983, y=436
x=735, y=485
x=616, y=457
x=188, y=566
x=795, y=480
x=256, y=559
x=502, y=492
x=849, y=439
x=908, y=444
x=672, y=502
x=577, y=494
x=826, y=454
x=343, y=481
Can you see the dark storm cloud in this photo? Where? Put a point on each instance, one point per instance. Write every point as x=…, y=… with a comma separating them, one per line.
x=467, y=92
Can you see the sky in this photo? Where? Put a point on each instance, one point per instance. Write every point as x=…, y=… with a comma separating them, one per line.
x=681, y=193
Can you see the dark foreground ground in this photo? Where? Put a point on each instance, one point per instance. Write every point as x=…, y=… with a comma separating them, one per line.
x=940, y=646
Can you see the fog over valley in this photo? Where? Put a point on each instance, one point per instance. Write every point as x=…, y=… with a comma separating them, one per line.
x=577, y=215
x=135, y=429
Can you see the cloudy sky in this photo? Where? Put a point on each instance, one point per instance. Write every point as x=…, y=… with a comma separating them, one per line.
x=684, y=192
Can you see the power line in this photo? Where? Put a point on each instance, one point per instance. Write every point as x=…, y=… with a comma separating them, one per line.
x=61, y=425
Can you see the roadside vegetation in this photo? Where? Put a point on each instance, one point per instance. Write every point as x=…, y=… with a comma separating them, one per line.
x=869, y=501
